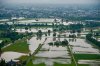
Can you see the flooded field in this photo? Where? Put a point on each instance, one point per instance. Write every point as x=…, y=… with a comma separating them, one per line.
x=90, y=62
x=34, y=43
x=81, y=46
x=50, y=54
x=8, y=56
x=33, y=30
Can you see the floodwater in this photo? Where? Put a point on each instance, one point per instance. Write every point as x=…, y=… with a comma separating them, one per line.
x=50, y=54
x=8, y=56
x=90, y=62
x=34, y=43
x=21, y=30
x=50, y=61
x=81, y=46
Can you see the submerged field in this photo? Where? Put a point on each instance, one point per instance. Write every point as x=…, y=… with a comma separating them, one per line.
x=44, y=51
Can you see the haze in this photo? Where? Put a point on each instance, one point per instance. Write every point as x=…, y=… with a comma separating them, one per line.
x=51, y=1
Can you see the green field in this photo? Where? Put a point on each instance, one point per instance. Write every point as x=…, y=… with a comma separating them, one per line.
x=87, y=56
x=18, y=46
x=58, y=64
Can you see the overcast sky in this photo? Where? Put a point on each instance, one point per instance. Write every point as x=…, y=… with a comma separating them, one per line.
x=52, y=1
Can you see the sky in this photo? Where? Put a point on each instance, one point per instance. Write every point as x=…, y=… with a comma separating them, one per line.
x=51, y=1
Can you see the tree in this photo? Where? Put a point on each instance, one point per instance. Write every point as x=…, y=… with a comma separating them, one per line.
x=90, y=38
x=54, y=34
x=26, y=28
x=62, y=20
x=55, y=20
x=65, y=42
x=59, y=36
x=46, y=34
x=49, y=32
x=39, y=34
x=0, y=51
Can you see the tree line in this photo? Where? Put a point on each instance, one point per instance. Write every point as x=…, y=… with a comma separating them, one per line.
x=94, y=41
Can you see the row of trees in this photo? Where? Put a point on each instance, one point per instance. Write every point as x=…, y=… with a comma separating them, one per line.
x=94, y=41
x=92, y=24
x=13, y=36
x=40, y=33
x=76, y=26
x=72, y=36
x=5, y=27
x=59, y=43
